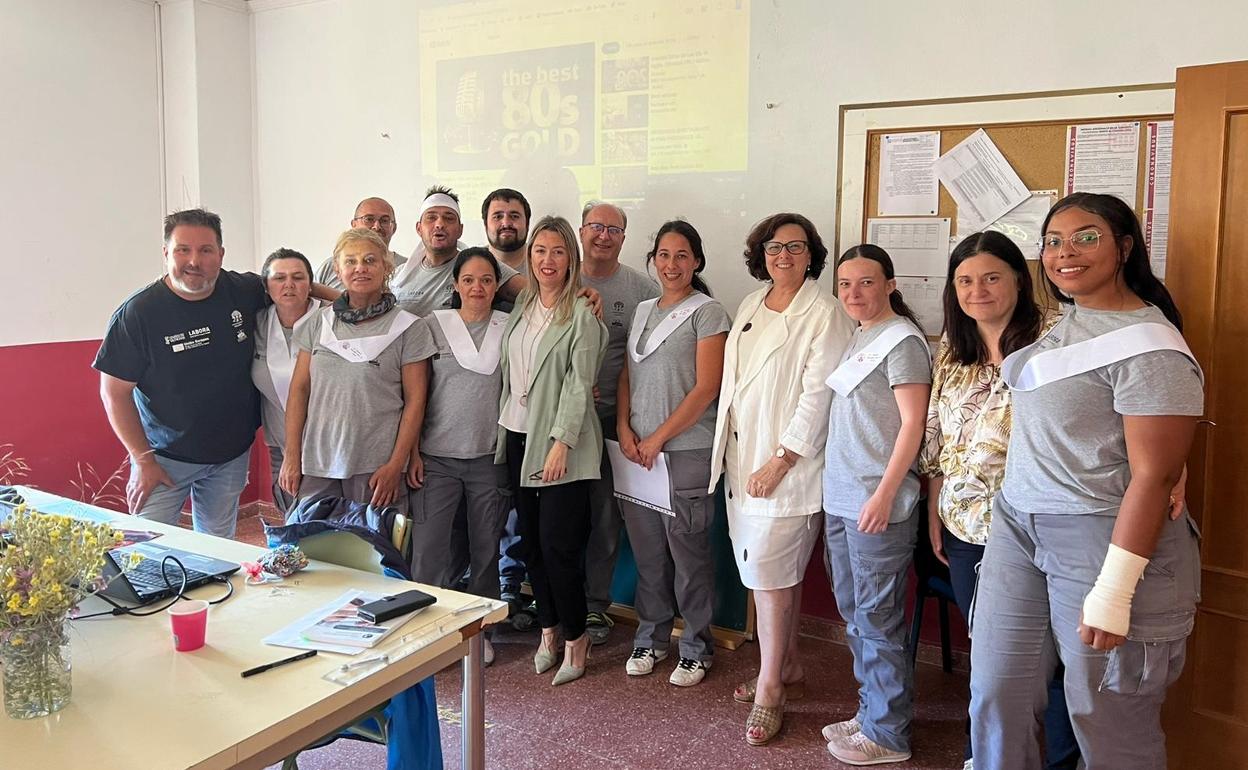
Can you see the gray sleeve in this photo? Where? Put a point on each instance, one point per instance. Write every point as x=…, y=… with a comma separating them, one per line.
x=709, y=320
x=325, y=273
x=418, y=344
x=1160, y=382
x=506, y=272
x=909, y=363
x=308, y=333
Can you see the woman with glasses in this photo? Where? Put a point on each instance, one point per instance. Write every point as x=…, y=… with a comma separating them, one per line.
x=357, y=394
x=288, y=276
x=1083, y=563
x=550, y=437
x=990, y=312
x=769, y=436
x=870, y=490
x=667, y=397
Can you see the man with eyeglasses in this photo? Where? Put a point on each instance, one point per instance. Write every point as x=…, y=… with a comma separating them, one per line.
x=374, y=214
x=622, y=289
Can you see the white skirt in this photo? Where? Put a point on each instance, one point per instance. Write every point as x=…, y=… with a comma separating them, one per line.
x=772, y=551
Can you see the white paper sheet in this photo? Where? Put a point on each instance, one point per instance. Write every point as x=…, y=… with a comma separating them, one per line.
x=1157, y=193
x=980, y=179
x=908, y=184
x=917, y=245
x=1103, y=158
x=925, y=295
x=651, y=488
x=1021, y=223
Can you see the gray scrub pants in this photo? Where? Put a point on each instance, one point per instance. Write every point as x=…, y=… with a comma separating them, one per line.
x=281, y=499
x=605, y=522
x=1037, y=569
x=869, y=578
x=448, y=483
x=675, y=566
x=351, y=488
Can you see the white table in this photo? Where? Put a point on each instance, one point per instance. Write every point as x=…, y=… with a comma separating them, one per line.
x=138, y=703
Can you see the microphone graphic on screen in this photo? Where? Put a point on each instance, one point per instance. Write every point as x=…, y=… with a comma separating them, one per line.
x=469, y=110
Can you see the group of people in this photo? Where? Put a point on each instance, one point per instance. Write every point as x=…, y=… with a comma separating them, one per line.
x=1052, y=441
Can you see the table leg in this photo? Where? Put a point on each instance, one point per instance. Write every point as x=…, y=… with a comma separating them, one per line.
x=473, y=735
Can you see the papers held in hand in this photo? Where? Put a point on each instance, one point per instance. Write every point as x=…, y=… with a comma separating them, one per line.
x=650, y=488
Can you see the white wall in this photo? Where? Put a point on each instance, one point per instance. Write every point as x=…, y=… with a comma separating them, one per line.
x=333, y=76
x=80, y=200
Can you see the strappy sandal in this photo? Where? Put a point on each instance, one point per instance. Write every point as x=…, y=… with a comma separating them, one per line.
x=766, y=718
x=744, y=693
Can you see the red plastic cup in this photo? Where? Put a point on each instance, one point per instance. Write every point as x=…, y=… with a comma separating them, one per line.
x=190, y=620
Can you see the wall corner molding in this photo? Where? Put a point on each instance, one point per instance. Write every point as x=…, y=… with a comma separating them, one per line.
x=260, y=6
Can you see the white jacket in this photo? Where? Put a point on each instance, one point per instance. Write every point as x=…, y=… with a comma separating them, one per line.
x=782, y=400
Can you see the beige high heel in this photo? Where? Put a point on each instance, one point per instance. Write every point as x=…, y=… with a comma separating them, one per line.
x=545, y=658
x=569, y=673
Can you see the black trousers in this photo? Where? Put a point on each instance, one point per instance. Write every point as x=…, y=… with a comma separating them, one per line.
x=553, y=525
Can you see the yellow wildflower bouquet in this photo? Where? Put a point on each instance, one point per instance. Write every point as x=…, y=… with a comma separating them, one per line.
x=48, y=563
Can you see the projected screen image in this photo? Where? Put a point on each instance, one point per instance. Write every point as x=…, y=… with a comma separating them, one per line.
x=600, y=97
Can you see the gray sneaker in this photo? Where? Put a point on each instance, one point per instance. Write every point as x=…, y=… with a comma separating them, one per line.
x=598, y=626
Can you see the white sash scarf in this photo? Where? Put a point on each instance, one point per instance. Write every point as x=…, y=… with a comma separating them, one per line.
x=279, y=355
x=483, y=361
x=671, y=322
x=1025, y=373
x=362, y=349
x=854, y=368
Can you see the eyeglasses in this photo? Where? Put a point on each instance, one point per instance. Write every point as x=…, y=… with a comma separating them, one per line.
x=793, y=247
x=611, y=230
x=369, y=220
x=1082, y=242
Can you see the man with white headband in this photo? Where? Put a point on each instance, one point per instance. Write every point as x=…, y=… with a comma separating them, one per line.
x=424, y=284
x=374, y=214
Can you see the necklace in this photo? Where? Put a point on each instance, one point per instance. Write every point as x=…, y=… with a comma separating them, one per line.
x=528, y=344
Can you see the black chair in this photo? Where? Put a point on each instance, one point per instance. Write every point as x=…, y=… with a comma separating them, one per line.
x=932, y=582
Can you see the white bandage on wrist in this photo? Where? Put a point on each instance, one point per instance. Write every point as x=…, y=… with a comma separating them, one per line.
x=1108, y=605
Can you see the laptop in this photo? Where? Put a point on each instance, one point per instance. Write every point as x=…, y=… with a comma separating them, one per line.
x=144, y=582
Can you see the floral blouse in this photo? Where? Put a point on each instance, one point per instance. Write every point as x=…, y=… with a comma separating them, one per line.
x=968, y=432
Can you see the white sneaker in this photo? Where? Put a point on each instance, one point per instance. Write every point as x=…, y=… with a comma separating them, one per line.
x=689, y=672
x=969, y=764
x=841, y=729
x=858, y=749
x=642, y=661
x=487, y=654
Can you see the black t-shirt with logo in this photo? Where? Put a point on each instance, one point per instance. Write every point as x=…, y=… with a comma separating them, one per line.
x=192, y=363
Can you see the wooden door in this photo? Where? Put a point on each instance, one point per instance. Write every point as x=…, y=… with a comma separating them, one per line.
x=1206, y=715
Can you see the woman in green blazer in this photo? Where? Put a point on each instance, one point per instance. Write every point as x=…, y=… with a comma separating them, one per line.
x=550, y=437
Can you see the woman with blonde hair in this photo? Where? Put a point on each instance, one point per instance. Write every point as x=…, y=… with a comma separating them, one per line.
x=550, y=437
x=357, y=394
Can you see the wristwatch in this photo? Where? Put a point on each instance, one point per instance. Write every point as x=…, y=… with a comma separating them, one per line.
x=783, y=454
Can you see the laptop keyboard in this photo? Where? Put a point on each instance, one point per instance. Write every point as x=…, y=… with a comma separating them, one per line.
x=147, y=576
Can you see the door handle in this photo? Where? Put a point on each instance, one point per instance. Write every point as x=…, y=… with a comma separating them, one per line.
x=1210, y=423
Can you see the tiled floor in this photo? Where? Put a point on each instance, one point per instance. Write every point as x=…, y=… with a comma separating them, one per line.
x=610, y=720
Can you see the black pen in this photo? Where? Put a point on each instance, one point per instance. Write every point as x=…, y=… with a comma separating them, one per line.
x=276, y=663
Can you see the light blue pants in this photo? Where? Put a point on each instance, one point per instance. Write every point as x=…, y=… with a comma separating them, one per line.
x=214, y=491
x=869, y=578
x=1036, y=571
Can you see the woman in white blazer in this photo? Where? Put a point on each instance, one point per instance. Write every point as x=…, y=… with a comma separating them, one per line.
x=769, y=436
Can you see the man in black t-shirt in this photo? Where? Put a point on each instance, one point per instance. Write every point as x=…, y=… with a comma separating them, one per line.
x=175, y=379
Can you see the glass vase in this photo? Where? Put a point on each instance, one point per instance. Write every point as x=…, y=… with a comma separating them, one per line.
x=36, y=666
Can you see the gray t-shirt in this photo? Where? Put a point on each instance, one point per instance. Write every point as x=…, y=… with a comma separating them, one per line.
x=423, y=289
x=659, y=382
x=327, y=275
x=863, y=428
x=461, y=414
x=272, y=415
x=620, y=294
x=354, y=409
x=1068, y=452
